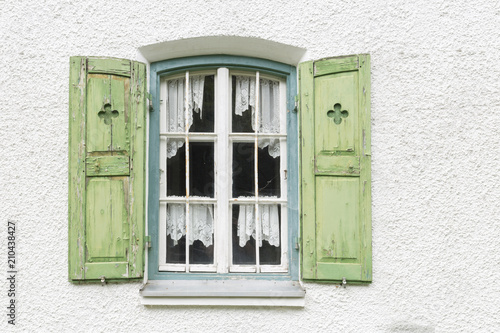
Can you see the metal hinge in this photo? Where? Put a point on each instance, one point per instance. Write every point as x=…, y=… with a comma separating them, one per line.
x=103, y=280
x=147, y=241
x=344, y=282
x=150, y=103
x=296, y=108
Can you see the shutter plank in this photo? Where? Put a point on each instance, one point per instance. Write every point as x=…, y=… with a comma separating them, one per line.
x=107, y=166
x=76, y=167
x=365, y=166
x=335, y=65
x=308, y=194
x=109, y=66
x=138, y=165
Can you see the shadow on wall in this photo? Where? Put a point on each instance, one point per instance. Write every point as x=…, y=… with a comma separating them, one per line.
x=410, y=327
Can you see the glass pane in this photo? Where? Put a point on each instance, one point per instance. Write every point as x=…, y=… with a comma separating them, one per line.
x=175, y=105
x=176, y=233
x=176, y=251
x=201, y=249
x=201, y=169
x=243, y=103
x=243, y=241
x=176, y=167
x=269, y=174
x=269, y=118
x=243, y=170
x=270, y=219
x=203, y=115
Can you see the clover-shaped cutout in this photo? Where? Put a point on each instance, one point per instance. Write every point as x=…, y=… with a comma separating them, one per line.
x=106, y=113
x=336, y=114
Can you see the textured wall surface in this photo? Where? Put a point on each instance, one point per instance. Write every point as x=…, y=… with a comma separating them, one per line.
x=436, y=148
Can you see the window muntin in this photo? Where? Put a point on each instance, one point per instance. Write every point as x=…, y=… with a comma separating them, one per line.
x=211, y=195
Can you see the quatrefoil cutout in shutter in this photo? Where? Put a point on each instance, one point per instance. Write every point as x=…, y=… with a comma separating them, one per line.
x=107, y=114
x=337, y=114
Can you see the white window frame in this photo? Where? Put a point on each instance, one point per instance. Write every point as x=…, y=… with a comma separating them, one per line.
x=223, y=140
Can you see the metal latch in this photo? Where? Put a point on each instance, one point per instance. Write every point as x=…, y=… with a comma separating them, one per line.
x=150, y=98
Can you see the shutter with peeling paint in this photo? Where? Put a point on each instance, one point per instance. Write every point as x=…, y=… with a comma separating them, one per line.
x=335, y=169
x=106, y=168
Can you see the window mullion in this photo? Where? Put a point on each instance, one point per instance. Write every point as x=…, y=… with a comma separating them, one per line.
x=186, y=132
x=256, y=172
x=223, y=174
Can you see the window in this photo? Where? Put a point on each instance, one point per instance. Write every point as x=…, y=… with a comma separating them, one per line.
x=223, y=175
x=223, y=172
x=221, y=140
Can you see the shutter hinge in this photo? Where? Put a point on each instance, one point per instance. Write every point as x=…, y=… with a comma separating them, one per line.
x=150, y=103
x=147, y=241
x=296, y=243
x=296, y=108
x=344, y=282
x=103, y=280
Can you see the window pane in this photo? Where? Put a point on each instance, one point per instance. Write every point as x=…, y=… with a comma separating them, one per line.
x=243, y=170
x=269, y=174
x=176, y=251
x=243, y=241
x=176, y=233
x=201, y=169
x=175, y=105
x=203, y=115
x=269, y=118
x=176, y=167
x=243, y=103
x=270, y=251
x=201, y=249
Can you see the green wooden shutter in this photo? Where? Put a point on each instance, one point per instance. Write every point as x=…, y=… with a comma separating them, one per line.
x=335, y=169
x=107, y=128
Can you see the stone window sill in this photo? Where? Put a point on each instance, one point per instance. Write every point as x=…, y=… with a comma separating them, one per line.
x=223, y=293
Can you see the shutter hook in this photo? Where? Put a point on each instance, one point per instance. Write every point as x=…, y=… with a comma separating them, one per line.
x=103, y=280
x=344, y=282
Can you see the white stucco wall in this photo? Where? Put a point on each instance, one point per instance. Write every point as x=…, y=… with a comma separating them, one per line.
x=436, y=147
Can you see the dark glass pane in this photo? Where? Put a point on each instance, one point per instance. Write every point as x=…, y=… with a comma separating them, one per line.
x=204, y=121
x=243, y=170
x=270, y=254
x=200, y=254
x=269, y=174
x=201, y=251
x=176, y=251
x=240, y=123
x=176, y=168
x=242, y=255
x=201, y=169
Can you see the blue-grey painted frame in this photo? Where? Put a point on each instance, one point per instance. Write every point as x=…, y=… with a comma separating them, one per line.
x=171, y=66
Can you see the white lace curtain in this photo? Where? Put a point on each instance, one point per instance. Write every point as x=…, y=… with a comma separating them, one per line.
x=268, y=223
x=176, y=108
x=201, y=223
x=269, y=120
